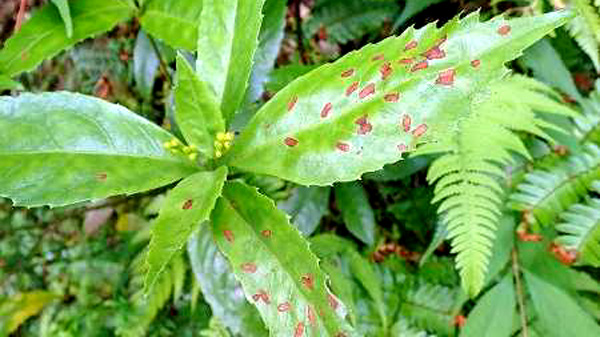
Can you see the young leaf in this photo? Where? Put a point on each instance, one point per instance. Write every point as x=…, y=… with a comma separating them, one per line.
x=493, y=314
x=278, y=272
x=44, y=36
x=306, y=207
x=65, y=14
x=363, y=111
x=554, y=306
x=60, y=148
x=358, y=215
x=197, y=110
x=173, y=21
x=186, y=206
x=219, y=286
x=227, y=40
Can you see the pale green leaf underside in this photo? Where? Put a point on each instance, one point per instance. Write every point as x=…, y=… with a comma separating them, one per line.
x=197, y=113
x=273, y=262
x=44, y=35
x=580, y=231
x=65, y=14
x=186, y=206
x=173, y=21
x=62, y=148
x=344, y=119
x=227, y=41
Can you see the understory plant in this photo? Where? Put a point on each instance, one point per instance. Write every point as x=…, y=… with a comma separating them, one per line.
x=442, y=91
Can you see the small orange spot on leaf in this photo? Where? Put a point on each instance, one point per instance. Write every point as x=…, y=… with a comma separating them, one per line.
x=299, y=332
x=291, y=142
x=406, y=122
x=420, y=130
x=367, y=91
x=391, y=97
x=267, y=233
x=386, y=70
x=419, y=66
x=378, y=57
x=446, y=77
x=308, y=280
x=435, y=53
x=187, y=204
x=411, y=45
x=228, y=235
x=249, y=267
x=326, y=110
x=283, y=307
x=292, y=103
x=352, y=88
x=475, y=63
x=348, y=73
x=504, y=30
x=344, y=147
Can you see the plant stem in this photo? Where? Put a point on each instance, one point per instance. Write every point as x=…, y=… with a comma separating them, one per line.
x=163, y=65
x=299, y=35
x=520, y=296
x=21, y=15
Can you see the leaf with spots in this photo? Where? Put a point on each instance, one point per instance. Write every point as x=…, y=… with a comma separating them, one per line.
x=174, y=21
x=187, y=206
x=228, y=38
x=363, y=111
x=44, y=35
x=277, y=270
x=61, y=148
x=198, y=114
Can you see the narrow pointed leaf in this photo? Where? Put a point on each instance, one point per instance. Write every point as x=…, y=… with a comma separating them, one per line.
x=363, y=111
x=493, y=314
x=306, y=207
x=197, y=111
x=279, y=273
x=44, y=35
x=61, y=148
x=65, y=14
x=227, y=41
x=186, y=206
x=358, y=215
x=145, y=64
x=174, y=21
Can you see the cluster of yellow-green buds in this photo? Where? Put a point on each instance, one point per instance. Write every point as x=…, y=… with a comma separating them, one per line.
x=223, y=143
x=176, y=147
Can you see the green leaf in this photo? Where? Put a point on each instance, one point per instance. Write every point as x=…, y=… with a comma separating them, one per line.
x=269, y=42
x=554, y=306
x=282, y=76
x=277, y=270
x=306, y=207
x=358, y=215
x=175, y=21
x=228, y=38
x=219, y=286
x=585, y=29
x=44, y=36
x=6, y=83
x=65, y=14
x=145, y=64
x=411, y=8
x=364, y=273
x=61, y=148
x=400, y=170
x=342, y=120
x=581, y=232
x=187, y=205
x=17, y=309
x=197, y=110
x=493, y=314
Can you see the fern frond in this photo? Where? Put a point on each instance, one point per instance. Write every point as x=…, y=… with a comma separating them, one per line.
x=585, y=29
x=431, y=307
x=587, y=125
x=477, y=148
x=347, y=20
x=546, y=193
x=581, y=231
x=404, y=329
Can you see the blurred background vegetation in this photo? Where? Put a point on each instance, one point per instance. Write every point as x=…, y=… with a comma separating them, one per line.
x=77, y=271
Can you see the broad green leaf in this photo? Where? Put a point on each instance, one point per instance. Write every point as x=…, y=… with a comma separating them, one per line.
x=65, y=14
x=493, y=314
x=411, y=8
x=219, y=286
x=197, y=110
x=364, y=273
x=558, y=312
x=145, y=64
x=440, y=234
x=306, y=207
x=269, y=41
x=401, y=170
x=187, y=206
x=44, y=36
x=278, y=272
x=358, y=215
x=366, y=109
x=6, y=83
x=282, y=76
x=61, y=148
x=227, y=41
x=17, y=309
x=173, y=21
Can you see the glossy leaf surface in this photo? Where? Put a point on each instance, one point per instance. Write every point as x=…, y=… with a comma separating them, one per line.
x=220, y=289
x=65, y=14
x=227, y=41
x=44, y=35
x=186, y=206
x=61, y=148
x=173, y=21
x=306, y=207
x=145, y=64
x=278, y=272
x=197, y=111
x=358, y=215
x=366, y=109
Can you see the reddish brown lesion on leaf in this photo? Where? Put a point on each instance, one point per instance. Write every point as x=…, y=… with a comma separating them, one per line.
x=386, y=70
x=308, y=281
x=102, y=176
x=409, y=60
x=228, y=235
x=435, y=53
x=292, y=103
x=446, y=77
x=475, y=63
x=406, y=122
x=261, y=295
x=420, y=130
x=391, y=97
x=344, y=147
x=364, y=125
x=348, y=73
x=249, y=267
x=378, y=57
x=326, y=110
x=267, y=233
x=299, y=332
x=312, y=318
x=504, y=30
x=402, y=148
x=411, y=45
x=420, y=66
x=187, y=204
x=367, y=91
x=284, y=307
x=352, y=88
x=290, y=141
x=333, y=302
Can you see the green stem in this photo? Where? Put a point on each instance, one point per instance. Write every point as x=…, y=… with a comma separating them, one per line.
x=520, y=296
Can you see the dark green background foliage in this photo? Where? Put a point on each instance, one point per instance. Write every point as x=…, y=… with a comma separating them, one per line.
x=331, y=214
